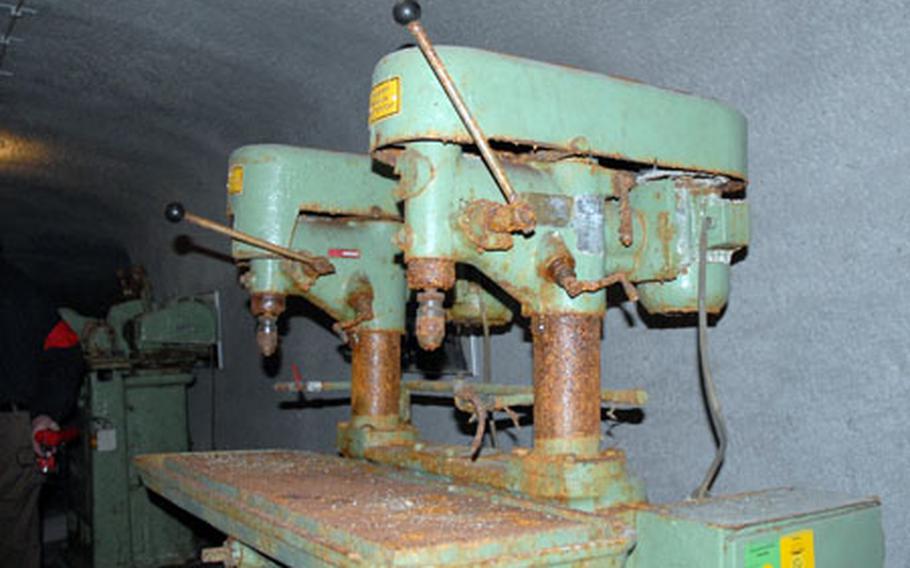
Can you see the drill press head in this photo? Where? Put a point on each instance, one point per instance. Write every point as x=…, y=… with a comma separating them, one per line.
x=619, y=177
x=330, y=208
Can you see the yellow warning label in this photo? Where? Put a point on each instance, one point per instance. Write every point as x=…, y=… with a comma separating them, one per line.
x=235, y=180
x=385, y=99
x=797, y=550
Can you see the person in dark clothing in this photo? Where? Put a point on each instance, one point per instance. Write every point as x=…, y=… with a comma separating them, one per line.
x=41, y=367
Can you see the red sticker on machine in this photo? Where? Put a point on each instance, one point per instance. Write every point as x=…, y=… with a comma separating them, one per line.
x=344, y=253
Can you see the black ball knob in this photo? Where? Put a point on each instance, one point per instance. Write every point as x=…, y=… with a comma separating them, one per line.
x=406, y=11
x=174, y=211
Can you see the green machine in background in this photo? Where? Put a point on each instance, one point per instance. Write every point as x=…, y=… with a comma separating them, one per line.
x=578, y=182
x=139, y=360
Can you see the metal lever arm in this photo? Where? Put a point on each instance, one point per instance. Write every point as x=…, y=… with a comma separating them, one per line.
x=174, y=212
x=560, y=268
x=562, y=271
x=407, y=13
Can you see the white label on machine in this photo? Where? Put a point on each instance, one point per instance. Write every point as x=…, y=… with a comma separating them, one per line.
x=106, y=440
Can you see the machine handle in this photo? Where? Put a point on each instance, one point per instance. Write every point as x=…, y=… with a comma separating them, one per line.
x=175, y=212
x=407, y=13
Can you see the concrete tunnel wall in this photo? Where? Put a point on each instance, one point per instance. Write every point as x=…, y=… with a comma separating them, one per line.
x=811, y=358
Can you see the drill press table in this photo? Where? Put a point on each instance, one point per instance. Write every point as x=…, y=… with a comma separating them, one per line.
x=306, y=509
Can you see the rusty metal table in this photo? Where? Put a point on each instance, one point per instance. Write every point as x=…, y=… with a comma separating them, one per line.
x=306, y=509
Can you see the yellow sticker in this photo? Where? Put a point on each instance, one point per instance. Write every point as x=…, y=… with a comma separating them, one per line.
x=797, y=550
x=385, y=99
x=235, y=180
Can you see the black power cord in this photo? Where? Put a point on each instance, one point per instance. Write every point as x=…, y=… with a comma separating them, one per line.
x=710, y=390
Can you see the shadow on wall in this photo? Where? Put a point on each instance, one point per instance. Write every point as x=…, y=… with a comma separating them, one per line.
x=75, y=272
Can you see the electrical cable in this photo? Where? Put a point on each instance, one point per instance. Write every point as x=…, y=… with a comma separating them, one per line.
x=708, y=386
x=487, y=349
x=487, y=357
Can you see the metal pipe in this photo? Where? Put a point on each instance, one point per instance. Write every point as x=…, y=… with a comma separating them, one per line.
x=511, y=395
x=627, y=397
x=375, y=374
x=566, y=383
x=313, y=386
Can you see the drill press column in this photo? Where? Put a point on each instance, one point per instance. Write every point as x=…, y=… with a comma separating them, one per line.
x=566, y=383
x=375, y=377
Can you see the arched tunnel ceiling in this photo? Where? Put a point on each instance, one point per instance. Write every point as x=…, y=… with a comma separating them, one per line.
x=114, y=107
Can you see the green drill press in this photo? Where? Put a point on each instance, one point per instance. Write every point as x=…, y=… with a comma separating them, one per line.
x=554, y=184
x=140, y=361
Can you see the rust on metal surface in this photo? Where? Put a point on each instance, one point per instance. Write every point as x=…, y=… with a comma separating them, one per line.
x=547, y=477
x=375, y=372
x=560, y=269
x=567, y=379
x=474, y=222
x=451, y=461
x=267, y=303
x=700, y=186
x=363, y=500
x=426, y=273
x=496, y=397
x=522, y=218
x=302, y=275
x=489, y=225
x=467, y=399
x=360, y=299
x=623, y=182
x=404, y=238
x=508, y=218
x=430, y=324
x=479, y=415
x=223, y=555
x=386, y=149
x=666, y=233
x=551, y=209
